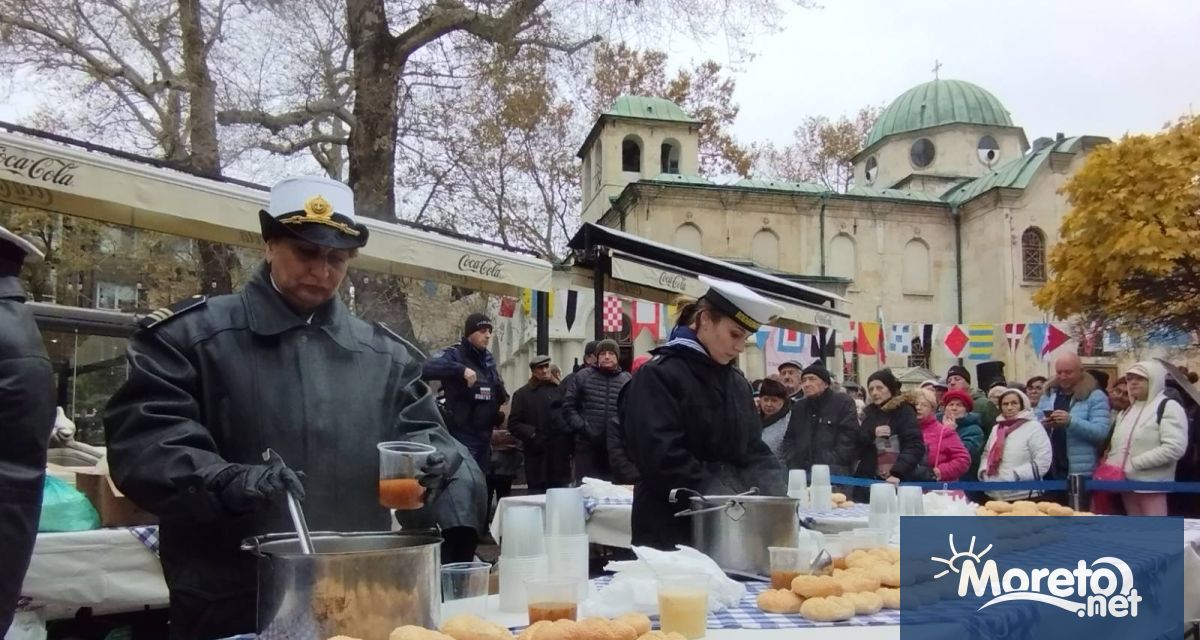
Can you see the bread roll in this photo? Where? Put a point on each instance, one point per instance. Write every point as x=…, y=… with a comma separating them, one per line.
x=830, y=609
x=779, y=601
x=469, y=627
x=816, y=586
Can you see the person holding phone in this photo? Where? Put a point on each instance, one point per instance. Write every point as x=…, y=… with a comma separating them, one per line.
x=1075, y=411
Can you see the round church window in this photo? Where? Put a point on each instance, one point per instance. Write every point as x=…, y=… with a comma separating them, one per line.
x=989, y=150
x=921, y=153
x=872, y=169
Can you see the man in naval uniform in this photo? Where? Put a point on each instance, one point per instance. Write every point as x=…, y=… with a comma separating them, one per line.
x=283, y=365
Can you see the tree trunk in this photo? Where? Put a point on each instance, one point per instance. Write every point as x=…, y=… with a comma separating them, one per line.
x=216, y=260
x=372, y=145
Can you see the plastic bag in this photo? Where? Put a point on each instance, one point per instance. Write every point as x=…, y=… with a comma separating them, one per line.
x=64, y=508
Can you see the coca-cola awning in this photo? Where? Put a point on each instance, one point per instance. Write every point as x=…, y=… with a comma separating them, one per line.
x=645, y=269
x=67, y=179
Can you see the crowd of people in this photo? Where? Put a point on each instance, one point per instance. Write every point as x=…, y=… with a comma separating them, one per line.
x=946, y=430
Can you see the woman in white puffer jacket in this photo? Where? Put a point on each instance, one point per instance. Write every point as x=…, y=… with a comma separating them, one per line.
x=1146, y=447
x=1018, y=448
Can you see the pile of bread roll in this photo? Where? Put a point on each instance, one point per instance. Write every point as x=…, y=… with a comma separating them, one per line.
x=840, y=501
x=861, y=583
x=1027, y=508
x=631, y=626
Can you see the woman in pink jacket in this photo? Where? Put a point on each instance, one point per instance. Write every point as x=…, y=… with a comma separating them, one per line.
x=944, y=452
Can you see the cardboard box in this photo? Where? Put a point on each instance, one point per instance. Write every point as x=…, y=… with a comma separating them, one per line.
x=114, y=508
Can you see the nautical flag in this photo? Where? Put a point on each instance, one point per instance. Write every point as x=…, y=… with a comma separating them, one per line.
x=848, y=344
x=901, y=339
x=955, y=340
x=762, y=335
x=982, y=341
x=1013, y=333
x=868, y=338
x=645, y=318
x=927, y=339
x=1055, y=338
x=611, y=320
x=572, y=307
x=1037, y=338
x=784, y=345
x=824, y=344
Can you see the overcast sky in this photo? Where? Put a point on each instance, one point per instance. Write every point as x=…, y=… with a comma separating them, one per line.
x=1101, y=67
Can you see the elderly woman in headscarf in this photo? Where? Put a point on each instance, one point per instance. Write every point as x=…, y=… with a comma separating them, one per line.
x=1018, y=448
x=1149, y=438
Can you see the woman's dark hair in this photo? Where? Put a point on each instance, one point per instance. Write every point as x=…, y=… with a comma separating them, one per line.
x=690, y=312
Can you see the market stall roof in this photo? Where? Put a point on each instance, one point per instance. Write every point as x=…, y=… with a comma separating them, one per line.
x=653, y=271
x=70, y=177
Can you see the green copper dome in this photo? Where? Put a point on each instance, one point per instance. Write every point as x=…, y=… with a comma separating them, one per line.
x=936, y=103
x=648, y=108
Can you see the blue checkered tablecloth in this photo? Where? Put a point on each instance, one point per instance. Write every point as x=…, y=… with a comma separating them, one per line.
x=856, y=511
x=591, y=504
x=147, y=535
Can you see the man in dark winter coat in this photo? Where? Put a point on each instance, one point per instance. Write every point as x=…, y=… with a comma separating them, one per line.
x=280, y=364
x=536, y=420
x=474, y=390
x=26, y=418
x=823, y=428
x=589, y=404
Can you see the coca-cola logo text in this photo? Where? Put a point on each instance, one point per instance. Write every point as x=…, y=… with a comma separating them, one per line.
x=486, y=267
x=674, y=281
x=45, y=169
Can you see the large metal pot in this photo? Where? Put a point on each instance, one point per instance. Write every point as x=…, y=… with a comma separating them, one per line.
x=735, y=531
x=362, y=585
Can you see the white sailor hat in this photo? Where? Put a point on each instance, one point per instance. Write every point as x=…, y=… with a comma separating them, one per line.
x=316, y=209
x=747, y=308
x=19, y=245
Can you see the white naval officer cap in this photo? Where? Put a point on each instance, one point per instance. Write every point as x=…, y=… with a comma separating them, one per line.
x=32, y=253
x=316, y=209
x=748, y=308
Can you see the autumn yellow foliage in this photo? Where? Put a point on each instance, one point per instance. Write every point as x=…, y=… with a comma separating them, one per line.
x=1130, y=246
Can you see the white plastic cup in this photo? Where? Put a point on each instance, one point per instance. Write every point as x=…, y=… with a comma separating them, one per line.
x=565, y=514
x=798, y=485
x=521, y=532
x=883, y=507
x=568, y=558
x=513, y=574
x=911, y=501
x=820, y=474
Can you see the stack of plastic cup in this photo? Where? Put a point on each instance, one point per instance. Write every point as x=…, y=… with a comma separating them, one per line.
x=883, y=514
x=465, y=588
x=820, y=491
x=566, y=540
x=798, y=486
x=522, y=555
x=912, y=501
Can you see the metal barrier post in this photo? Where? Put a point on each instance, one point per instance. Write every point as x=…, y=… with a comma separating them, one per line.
x=1076, y=494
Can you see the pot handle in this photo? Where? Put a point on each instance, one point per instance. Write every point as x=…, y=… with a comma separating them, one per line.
x=674, y=495
x=687, y=513
x=253, y=544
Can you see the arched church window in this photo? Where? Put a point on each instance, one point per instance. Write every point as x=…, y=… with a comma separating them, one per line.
x=669, y=156
x=989, y=150
x=922, y=153
x=1033, y=255
x=631, y=154
x=916, y=267
x=872, y=170
x=688, y=237
x=843, y=258
x=764, y=248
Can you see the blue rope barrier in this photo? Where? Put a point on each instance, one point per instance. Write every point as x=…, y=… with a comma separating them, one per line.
x=1031, y=485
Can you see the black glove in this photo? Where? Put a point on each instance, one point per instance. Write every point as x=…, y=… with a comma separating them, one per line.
x=244, y=488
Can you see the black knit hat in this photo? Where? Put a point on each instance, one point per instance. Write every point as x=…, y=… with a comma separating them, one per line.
x=590, y=348
x=958, y=370
x=888, y=379
x=476, y=322
x=773, y=388
x=818, y=369
x=608, y=345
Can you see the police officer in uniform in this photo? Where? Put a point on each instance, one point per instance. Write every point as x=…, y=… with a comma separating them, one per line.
x=281, y=364
x=26, y=418
x=689, y=415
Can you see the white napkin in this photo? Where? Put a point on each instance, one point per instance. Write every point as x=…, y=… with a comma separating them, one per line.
x=635, y=585
x=947, y=503
x=596, y=488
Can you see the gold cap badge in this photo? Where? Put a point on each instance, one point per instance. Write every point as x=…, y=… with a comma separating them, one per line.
x=318, y=207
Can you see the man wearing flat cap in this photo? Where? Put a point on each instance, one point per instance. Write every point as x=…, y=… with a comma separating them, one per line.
x=26, y=418
x=213, y=383
x=536, y=420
